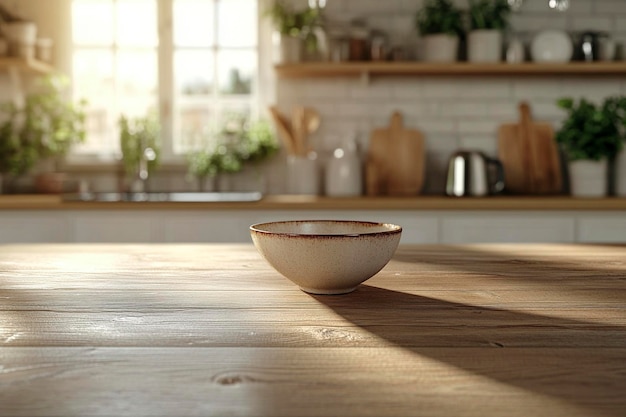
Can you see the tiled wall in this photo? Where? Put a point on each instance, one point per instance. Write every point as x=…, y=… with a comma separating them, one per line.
x=452, y=112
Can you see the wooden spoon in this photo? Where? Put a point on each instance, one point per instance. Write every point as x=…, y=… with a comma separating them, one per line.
x=299, y=130
x=311, y=120
x=284, y=130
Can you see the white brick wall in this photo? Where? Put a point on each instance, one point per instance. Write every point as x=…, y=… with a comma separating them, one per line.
x=451, y=112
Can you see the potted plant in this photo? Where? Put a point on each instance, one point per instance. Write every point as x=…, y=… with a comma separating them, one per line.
x=488, y=19
x=295, y=29
x=139, y=142
x=590, y=136
x=440, y=23
x=41, y=129
x=238, y=144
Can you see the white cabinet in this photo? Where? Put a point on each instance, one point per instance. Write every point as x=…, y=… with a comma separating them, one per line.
x=605, y=228
x=488, y=227
x=199, y=226
x=34, y=227
x=206, y=226
x=115, y=226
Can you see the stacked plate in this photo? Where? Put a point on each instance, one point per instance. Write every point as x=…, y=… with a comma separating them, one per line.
x=552, y=46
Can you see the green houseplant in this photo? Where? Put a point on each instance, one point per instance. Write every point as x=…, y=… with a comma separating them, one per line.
x=440, y=23
x=296, y=29
x=239, y=144
x=591, y=136
x=43, y=128
x=489, y=14
x=488, y=19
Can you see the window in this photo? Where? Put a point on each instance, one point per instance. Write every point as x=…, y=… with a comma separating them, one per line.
x=198, y=72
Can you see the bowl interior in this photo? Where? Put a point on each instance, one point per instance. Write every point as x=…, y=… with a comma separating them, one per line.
x=326, y=227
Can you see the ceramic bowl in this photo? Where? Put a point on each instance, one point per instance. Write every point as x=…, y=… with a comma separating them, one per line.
x=326, y=256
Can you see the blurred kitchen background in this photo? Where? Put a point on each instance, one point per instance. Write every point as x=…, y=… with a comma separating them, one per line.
x=206, y=66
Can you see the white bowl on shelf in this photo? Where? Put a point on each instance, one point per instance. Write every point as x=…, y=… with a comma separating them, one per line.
x=326, y=256
x=551, y=46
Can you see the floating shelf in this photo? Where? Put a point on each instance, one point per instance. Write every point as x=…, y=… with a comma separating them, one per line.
x=25, y=65
x=367, y=69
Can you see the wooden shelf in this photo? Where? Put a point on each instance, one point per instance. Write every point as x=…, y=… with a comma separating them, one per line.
x=25, y=65
x=328, y=69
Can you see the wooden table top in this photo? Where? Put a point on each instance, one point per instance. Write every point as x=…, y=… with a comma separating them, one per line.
x=212, y=330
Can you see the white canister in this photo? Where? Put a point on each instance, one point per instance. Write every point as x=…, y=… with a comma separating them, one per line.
x=344, y=176
x=303, y=174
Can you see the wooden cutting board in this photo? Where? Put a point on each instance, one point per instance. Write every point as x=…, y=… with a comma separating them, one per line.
x=395, y=160
x=530, y=156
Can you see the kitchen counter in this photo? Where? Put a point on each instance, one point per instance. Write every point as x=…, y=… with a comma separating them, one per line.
x=468, y=330
x=295, y=202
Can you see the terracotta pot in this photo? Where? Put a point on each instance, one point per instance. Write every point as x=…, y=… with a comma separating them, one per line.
x=51, y=182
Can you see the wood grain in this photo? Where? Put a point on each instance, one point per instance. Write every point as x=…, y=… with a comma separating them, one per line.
x=155, y=330
x=395, y=162
x=529, y=154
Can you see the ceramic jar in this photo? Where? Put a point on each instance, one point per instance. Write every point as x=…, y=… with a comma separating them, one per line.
x=303, y=174
x=344, y=176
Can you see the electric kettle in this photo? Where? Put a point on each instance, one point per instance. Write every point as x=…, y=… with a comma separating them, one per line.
x=472, y=173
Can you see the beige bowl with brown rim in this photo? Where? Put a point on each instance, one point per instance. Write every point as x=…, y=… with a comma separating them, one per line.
x=326, y=256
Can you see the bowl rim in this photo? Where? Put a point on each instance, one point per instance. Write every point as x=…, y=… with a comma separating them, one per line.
x=393, y=228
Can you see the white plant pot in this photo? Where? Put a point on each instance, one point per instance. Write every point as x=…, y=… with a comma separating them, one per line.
x=484, y=46
x=588, y=178
x=440, y=48
x=620, y=174
x=290, y=49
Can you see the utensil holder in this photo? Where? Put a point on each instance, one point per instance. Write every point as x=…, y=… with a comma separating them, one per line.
x=303, y=175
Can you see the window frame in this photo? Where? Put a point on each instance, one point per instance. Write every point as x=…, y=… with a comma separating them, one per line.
x=263, y=96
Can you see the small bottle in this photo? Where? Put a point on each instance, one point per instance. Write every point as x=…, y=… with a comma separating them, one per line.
x=515, y=52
